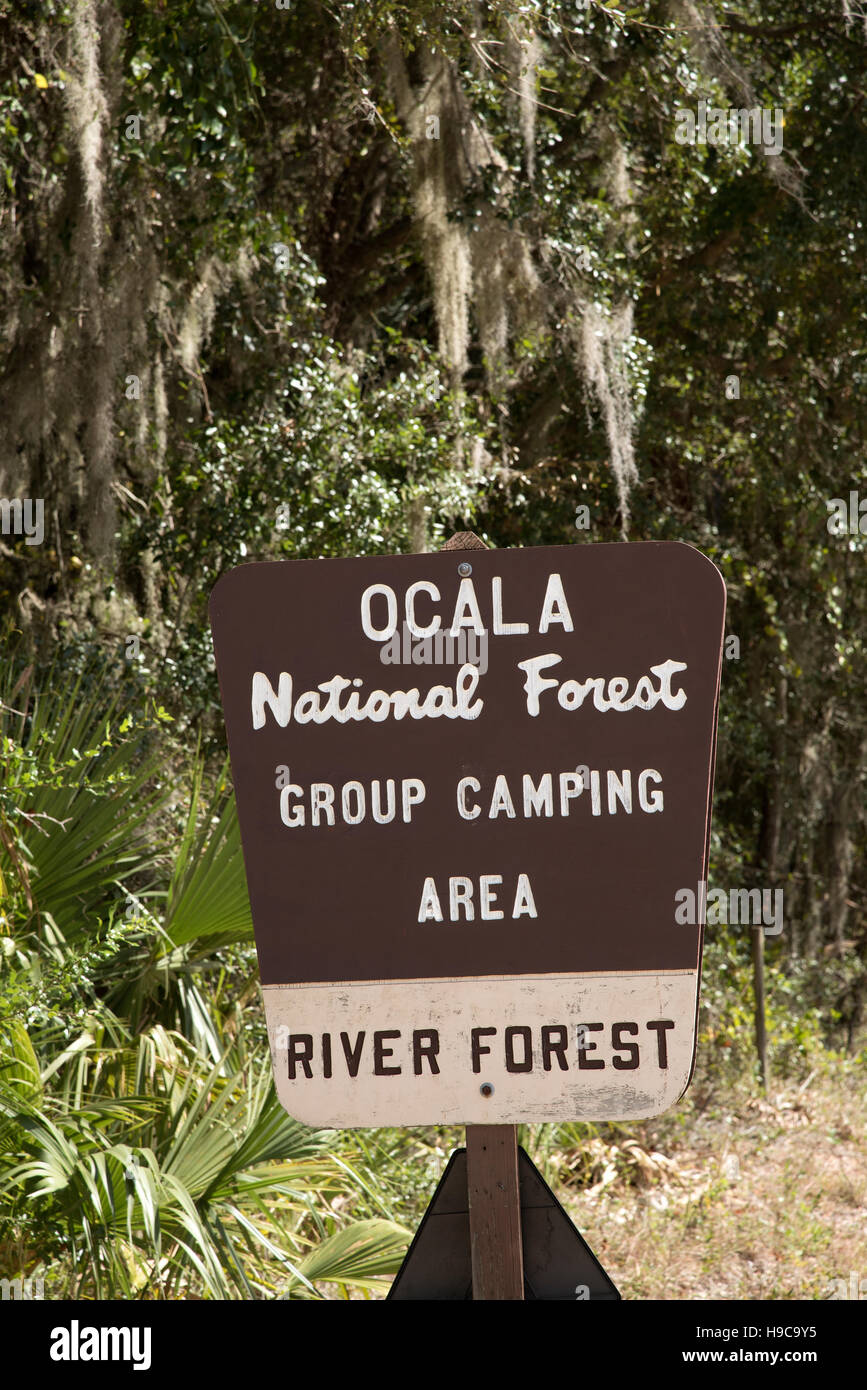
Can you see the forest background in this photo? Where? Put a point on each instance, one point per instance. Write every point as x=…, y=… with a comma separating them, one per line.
x=299, y=279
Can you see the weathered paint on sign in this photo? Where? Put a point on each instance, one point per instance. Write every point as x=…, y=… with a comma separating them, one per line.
x=463, y=874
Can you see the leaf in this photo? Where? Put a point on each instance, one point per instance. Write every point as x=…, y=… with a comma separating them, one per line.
x=40, y=81
x=81, y=831
x=367, y=1250
x=208, y=901
x=19, y=1066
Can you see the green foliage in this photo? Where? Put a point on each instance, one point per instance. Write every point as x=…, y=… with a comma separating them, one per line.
x=344, y=450
x=151, y=1169
x=136, y=1160
x=71, y=757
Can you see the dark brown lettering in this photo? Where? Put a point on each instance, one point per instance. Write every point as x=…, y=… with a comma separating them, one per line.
x=557, y=1049
x=632, y=1061
x=425, y=1044
x=526, y=1063
x=660, y=1026
x=478, y=1048
x=300, y=1049
x=353, y=1056
x=380, y=1053
x=586, y=1063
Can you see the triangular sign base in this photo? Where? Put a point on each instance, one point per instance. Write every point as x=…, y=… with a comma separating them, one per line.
x=558, y=1262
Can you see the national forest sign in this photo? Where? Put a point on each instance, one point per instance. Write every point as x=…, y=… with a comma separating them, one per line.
x=470, y=785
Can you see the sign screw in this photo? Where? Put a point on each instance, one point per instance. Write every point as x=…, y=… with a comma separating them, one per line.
x=486, y=1089
x=465, y=568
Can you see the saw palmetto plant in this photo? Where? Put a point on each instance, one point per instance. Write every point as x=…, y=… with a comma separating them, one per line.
x=143, y=1153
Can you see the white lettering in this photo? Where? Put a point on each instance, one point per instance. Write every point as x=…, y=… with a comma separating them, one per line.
x=422, y=586
x=279, y=704
x=525, y=903
x=502, y=629
x=502, y=800
x=413, y=794
x=571, y=694
x=430, y=910
x=461, y=896
x=555, y=609
x=655, y=801
x=467, y=612
x=441, y=701
x=379, y=634
x=464, y=784
x=487, y=882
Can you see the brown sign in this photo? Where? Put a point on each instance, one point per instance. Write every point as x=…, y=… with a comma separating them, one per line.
x=470, y=785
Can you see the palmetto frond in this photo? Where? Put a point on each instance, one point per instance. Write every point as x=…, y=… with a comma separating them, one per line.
x=180, y=1196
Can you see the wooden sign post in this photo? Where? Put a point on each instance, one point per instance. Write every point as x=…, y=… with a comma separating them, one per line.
x=496, y=1248
x=470, y=786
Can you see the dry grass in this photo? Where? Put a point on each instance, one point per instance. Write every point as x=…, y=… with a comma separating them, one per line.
x=731, y=1196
